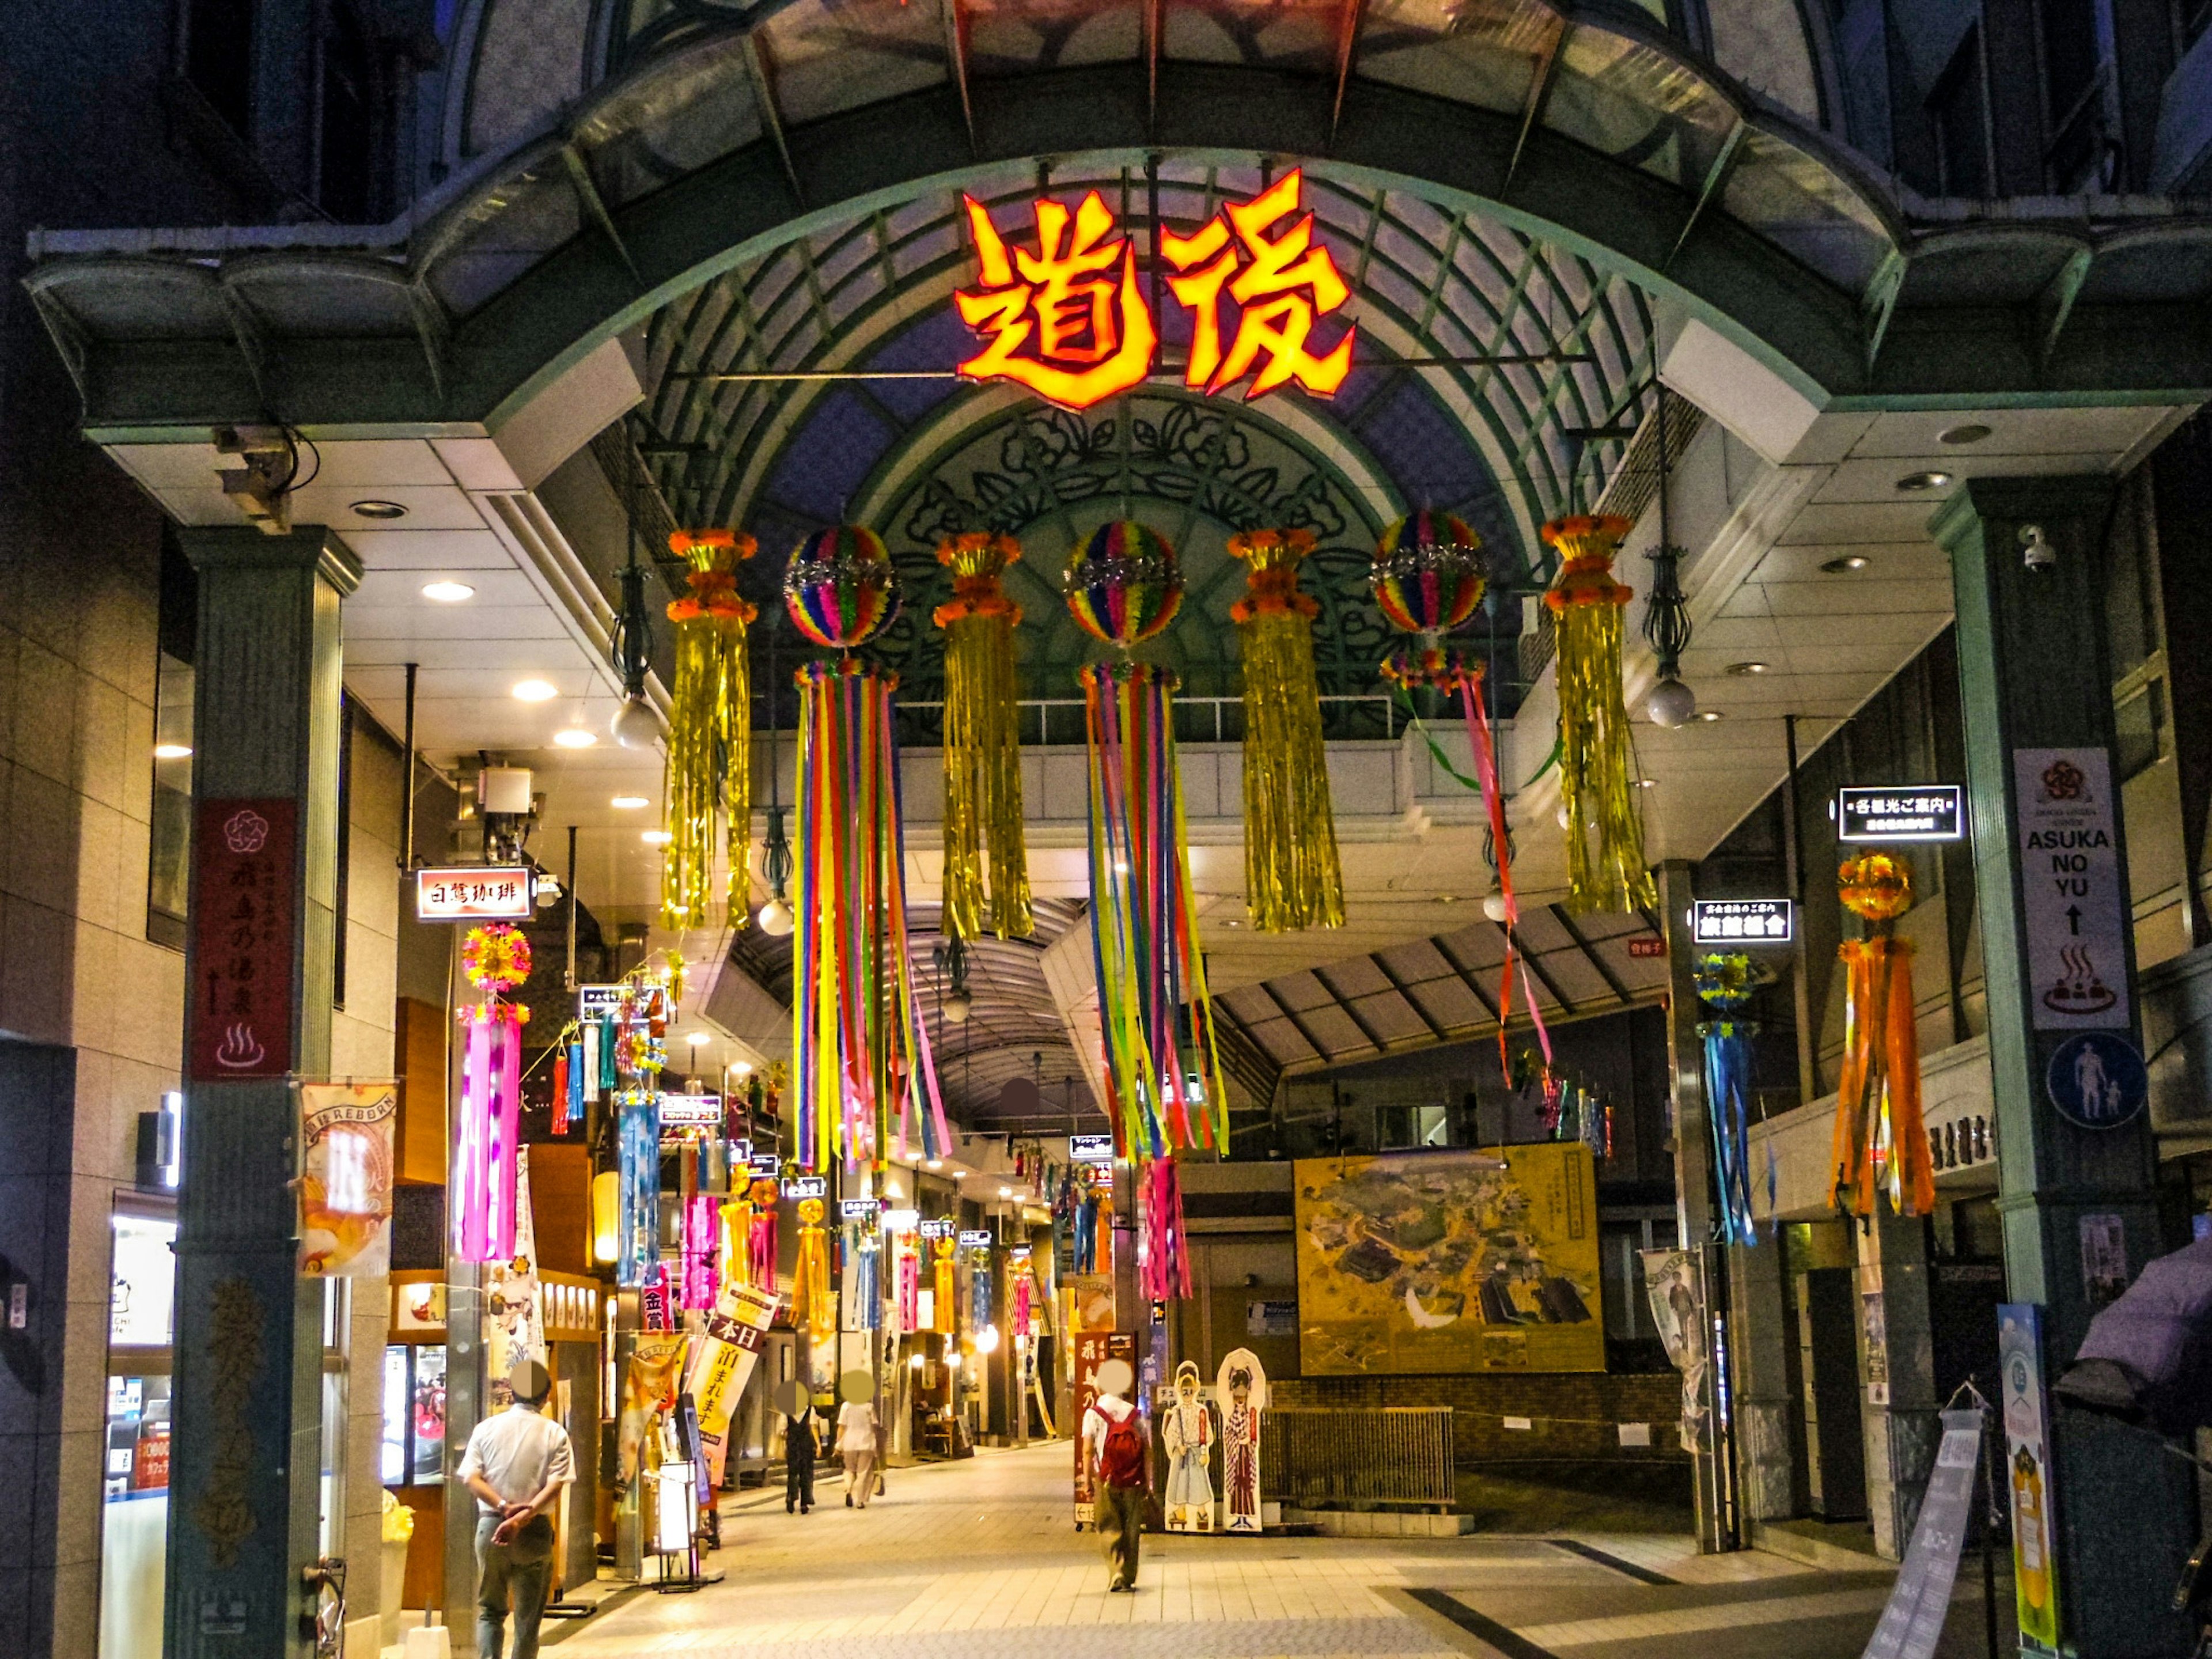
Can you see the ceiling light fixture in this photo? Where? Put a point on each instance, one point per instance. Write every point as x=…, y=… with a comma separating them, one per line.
x=1667, y=612
x=656, y=837
x=448, y=592
x=383, y=510
x=536, y=690
x=937, y=1163
x=1745, y=669
x=1647, y=783
x=1709, y=714
x=628, y=803
x=1972, y=432
x=1846, y=565
x=173, y=751
x=1931, y=479
x=575, y=737
x=698, y=1039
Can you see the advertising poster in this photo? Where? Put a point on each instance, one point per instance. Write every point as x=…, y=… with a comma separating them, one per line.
x=345, y=1179
x=2027, y=1475
x=728, y=1350
x=1674, y=1285
x=1442, y=1261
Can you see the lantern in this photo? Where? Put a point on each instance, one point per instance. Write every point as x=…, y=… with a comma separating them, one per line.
x=1427, y=576
x=840, y=588
x=1123, y=585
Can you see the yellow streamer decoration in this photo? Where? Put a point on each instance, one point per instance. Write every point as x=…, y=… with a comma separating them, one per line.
x=710, y=730
x=1587, y=605
x=982, y=746
x=1291, y=876
x=813, y=1297
x=944, y=1308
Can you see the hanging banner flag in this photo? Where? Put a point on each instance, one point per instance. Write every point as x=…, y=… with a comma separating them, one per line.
x=1912, y=1622
x=2027, y=1462
x=2070, y=884
x=244, y=929
x=650, y=1385
x=345, y=1179
x=727, y=1351
x=514, y=1309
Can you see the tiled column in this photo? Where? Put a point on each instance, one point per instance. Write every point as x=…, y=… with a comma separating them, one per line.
x=1898, y=1406
x=246, y=1464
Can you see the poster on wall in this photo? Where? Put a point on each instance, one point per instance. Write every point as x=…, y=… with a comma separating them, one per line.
x=345, y=1179
x=1446, y=1262
x=2027, y=1475
x=727, y=1351
x=1675, y=1284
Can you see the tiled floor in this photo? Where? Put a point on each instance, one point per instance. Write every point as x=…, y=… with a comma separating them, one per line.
x=982, y=1558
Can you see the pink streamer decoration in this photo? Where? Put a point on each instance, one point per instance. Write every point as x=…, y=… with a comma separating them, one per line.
x=1164, y=1271
x=909, y=1291
x=482, y=1177
x=703, y=1239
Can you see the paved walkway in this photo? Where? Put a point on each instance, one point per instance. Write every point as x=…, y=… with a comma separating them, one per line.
x=981, y=1557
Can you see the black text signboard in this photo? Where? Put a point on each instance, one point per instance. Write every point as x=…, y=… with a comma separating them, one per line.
x=1739, y=922
x=2070, y=867
x=1905, y=812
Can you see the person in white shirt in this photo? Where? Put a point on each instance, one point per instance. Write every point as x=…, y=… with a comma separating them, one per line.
x=1117, y=1445
x=517, y=1464
x=856, y=1440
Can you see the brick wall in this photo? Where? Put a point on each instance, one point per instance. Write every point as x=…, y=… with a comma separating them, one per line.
x=1572, y=1413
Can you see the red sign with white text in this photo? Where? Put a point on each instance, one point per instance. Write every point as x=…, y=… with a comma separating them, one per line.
x=245, y=922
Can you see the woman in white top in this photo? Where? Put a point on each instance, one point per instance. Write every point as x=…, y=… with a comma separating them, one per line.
x=856, y=1440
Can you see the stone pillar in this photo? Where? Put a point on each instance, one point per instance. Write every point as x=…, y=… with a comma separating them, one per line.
x=2034, y=675
x=1760, y=1338
x=1693, y=1191
x=246, y=1448
x=1898, y=1408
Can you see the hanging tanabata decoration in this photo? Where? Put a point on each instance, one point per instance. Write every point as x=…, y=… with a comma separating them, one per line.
x=709, y=731
x=910, y=1282
x=737, y=1237
x=1291, y=878
x=982, y=746
x=1123, y=587
x=1240, y=1389
x=760, y=1247
x=488, y=1135
x=1723, y=983
x=944, y=1311
x=1881, y=1140
x=813, y=1297
x=862, y=1055
x=1596, y=785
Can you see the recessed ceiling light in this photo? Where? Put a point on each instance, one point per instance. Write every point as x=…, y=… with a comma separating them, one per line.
x=937, y=1163
x=448, y=592
x=1232, y=922
x=1846, y=565
x=379, y=510
x=575, y=737
x=1709, y=714
x=656, y=837
x=628, y=803
x=1971, y=433
x=1749, y=668
x=537, y=690
x=1647, y=783
x=173, y=751
x=1448, y=898
x=697, y=1039
x=1929, y=480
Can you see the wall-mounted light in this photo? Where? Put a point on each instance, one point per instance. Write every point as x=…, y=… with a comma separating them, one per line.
x=2036, y=551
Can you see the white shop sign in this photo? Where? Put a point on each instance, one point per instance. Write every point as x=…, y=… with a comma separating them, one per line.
x=2069, y=864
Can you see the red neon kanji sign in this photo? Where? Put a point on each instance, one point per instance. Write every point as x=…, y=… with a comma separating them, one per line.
x=1070, y=322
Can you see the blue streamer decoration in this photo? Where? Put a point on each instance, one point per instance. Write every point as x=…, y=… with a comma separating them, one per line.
x=1724, y=983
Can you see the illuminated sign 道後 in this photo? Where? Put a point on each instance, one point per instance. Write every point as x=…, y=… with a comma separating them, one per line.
x=1070, y=322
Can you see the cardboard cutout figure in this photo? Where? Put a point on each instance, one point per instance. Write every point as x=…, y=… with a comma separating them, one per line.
x=1241, y=1388
x=1186, y=1432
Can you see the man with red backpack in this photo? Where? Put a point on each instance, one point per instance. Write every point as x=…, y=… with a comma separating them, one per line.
x=1119, y=1448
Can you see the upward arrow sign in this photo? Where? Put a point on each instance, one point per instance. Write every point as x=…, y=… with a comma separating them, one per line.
x=2074, y=919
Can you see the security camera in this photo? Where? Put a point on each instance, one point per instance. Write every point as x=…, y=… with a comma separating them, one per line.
x=2039, y=554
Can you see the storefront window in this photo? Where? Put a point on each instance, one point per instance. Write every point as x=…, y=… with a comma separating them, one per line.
x=414, y=1451
x=142, y=1293
x=135, y=1477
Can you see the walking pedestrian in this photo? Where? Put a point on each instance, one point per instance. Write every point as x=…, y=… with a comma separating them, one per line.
x=1120, y=1450
x=856, y=1440
x=516, y=1464
x=799, y=1449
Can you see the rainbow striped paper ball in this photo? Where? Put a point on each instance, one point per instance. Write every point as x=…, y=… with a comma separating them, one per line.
x=1428, y=574
x=840, y=588
x=1123, y=585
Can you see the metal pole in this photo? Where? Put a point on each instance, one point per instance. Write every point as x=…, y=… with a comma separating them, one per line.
x=407, y=802
x=568, y=979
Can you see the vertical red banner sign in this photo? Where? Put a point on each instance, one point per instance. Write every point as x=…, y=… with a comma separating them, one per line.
x=246, y=925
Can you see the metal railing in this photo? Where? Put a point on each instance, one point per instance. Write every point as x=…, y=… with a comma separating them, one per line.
x=1049, y=720
x=1355, y=1458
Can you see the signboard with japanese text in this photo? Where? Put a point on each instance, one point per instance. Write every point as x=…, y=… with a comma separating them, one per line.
x=597, y=1001
x=245, y=926
x=1739, y=922
x=482, y=893
x=1904, y=812
x=861, y=1209
x=2070, y=883
x=940, y=1228
x=691, y=1112
x=977, y=1239
x=1094, y=1349
x=1090, y=1149
x=727, y=1351
x=346, y=1179
x=1074, y=322
x=806, y=1186
x=766, y=1166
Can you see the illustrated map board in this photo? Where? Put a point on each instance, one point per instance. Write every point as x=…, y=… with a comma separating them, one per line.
x=1441, y=1262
